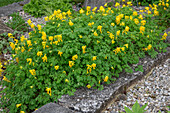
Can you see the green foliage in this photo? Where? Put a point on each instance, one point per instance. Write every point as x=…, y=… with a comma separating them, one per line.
x=6, y=2
x=17, y=23
x=139, y=68
x=88, y=51
x=4, y=45
x=40, y=8
x=136, y=108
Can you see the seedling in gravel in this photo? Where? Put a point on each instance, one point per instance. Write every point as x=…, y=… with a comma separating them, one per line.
x=17, y=23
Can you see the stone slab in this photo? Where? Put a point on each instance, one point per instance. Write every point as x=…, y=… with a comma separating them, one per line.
x=11, y=8
x=53, y=108
x=94, y=101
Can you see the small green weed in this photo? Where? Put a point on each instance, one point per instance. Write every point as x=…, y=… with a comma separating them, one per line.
x=17, y=23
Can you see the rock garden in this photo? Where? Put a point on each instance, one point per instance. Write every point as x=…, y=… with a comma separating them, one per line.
x=84, y=56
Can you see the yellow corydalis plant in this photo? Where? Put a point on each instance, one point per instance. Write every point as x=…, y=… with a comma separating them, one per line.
x=5, y=79
x=106, y=79
x=84, y=47
x=71, y=63
x=75, y=57
x=32, y=71
x=60, y=53
x=48, y=90
x=94, y=58
x=56, y=67
x=70, y=23
x=99, y=28
x=39, y=53
x=44, y=58
x=18, y=105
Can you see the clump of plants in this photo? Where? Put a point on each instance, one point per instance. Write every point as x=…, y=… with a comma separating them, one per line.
x=88, y=51
x=17, y=23
x=40, y=8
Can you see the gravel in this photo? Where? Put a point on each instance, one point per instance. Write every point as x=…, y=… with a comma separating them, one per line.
x=153, y=90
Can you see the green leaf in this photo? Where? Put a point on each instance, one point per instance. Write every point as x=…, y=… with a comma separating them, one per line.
x=127, y=110
x=136, y=107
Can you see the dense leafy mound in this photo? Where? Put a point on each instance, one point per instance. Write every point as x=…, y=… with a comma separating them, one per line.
x=40, y=8
x=67, y=53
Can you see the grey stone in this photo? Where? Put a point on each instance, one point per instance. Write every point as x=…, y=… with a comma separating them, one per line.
x=53, y=108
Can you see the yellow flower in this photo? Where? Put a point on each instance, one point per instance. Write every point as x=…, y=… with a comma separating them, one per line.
x=17, y=59
x=84, y=47
x=29, y=43
x=56, y=67
x=113, y=41
x=22, y=112
x=106, y=78
x=129, y=3
x=118, y=19
x=112, y=24
x=156, y=13
x=90, y=24
x=98, y=41
x=32, y=25
x=117, y=50
x=99, y=28
x=44, y=58
x=88, y=8
x=48, y=90
x=31, y=87
x=122, y=24
x=140, y=16
x=102, y=9
x=5, y=79
x=164, y=8
x=105, y=57
x=29, y=22
x=94, y=58
x=142, y=29
x=136, y=21
x=68, y=13
x=46, y=18
x=105, y=4
x=95, y=33
x=135, y=13
x=66, y=80
x=123, y=48
x=80, y=36
x=20, y=67
x=22, y=38
x=127, y=28
x=81, y=11
x=149, y=12
x=164, y=36
x=117, y=4
x=60, y=53
x=93, y=65
x=29, y=60
x=117, y=33
x=123, y=0
x=94, y=9
x=88, y=86
x=149, y=46
x=9, y=35
x=147, y=8
x=126, y=17
x=50, y=38
x=39, y=53
x=131, y=17
x=70, y=23
x=126, y=45
x=74, y=57
x=167, y=5
x=71, y=63
x=32, y=71
x=43, y=43
x=12, y=45
x=143, y=22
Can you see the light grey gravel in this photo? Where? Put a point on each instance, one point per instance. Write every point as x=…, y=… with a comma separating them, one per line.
x=153, y=90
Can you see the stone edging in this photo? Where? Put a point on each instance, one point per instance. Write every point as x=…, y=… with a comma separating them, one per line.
x=92, y=100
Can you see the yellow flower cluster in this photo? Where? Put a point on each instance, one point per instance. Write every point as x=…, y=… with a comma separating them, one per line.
x=118, y=49
x=164, y=36
x=48, y=90
x=89, y=67
x=32, y=71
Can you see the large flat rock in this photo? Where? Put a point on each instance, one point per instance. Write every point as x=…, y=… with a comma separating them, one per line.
x=94, y=101
x=11, y=8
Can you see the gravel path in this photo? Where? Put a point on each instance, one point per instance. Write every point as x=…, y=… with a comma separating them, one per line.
x=153, y=90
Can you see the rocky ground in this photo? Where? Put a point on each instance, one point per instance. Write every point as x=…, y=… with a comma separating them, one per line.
x=153, y=90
